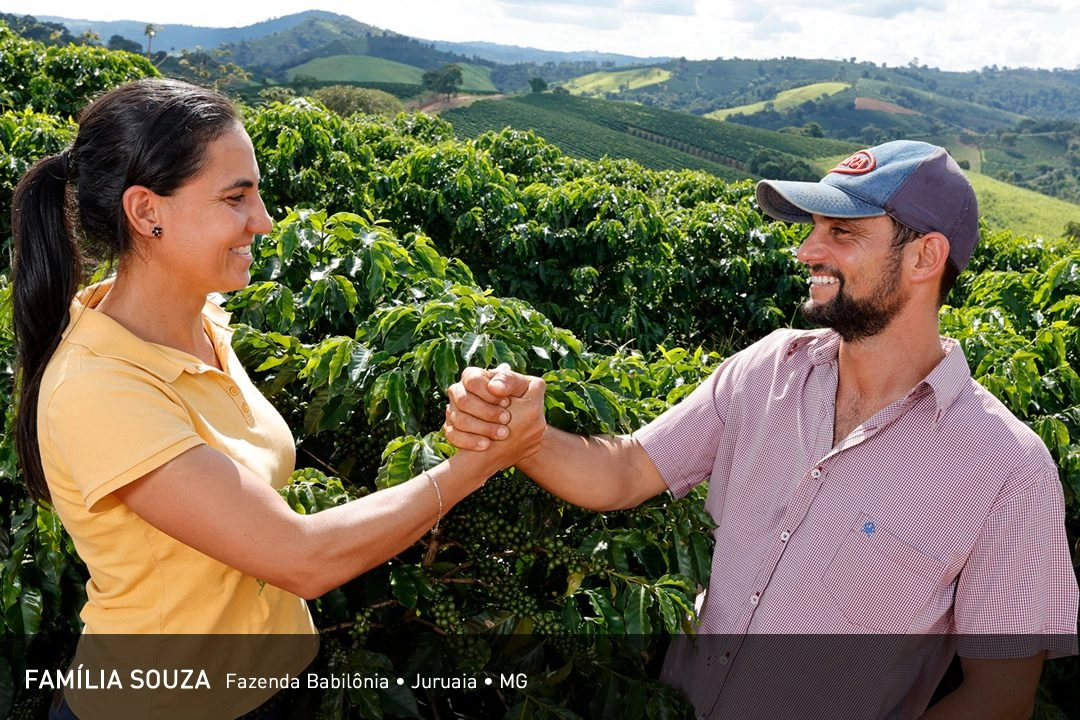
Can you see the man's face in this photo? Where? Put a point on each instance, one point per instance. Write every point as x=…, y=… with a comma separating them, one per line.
x=855, y=276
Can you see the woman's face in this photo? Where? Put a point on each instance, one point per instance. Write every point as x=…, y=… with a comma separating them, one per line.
x=210, y=222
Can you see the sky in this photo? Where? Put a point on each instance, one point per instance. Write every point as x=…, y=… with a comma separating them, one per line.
x=947, y=34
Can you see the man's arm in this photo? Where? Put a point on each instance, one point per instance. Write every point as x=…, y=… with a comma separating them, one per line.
x=992, y=690
x=595, y=472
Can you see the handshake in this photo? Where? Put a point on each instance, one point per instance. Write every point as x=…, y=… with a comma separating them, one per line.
x=497, y=416
x=496, y=411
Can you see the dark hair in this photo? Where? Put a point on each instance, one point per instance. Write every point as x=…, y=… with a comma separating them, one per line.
x=151, y=132
x=902, y=235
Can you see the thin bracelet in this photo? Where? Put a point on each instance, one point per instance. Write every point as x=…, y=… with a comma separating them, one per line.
x=438, y=495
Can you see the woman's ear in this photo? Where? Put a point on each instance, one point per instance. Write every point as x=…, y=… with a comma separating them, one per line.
x=141, y=208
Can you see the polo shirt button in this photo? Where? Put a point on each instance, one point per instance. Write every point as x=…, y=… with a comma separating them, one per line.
x=246, y=408
x=233, y=390
x=754, y=598
x=815, y=473
x=784, y=536
x=723, y=660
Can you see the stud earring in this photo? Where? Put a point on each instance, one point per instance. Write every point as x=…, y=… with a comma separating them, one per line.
x=156, y=231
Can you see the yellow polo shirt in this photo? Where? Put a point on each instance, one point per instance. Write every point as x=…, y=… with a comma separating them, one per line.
x=114, y=407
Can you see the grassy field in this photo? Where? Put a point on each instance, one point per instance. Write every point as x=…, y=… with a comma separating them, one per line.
x=961, y=151
x=1007, y=207
x=599, y=83
x=357, y=68
x=365, y=68
x=783, y=101
x=476, y=78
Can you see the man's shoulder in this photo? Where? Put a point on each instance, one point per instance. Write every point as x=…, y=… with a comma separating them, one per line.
x=992, y=427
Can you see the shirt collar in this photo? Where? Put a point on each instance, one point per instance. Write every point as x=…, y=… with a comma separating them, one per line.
x=105, y=337
x=950, y=376
x=947, y=380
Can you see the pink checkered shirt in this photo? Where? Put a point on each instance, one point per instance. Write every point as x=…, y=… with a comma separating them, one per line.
x=845, y=578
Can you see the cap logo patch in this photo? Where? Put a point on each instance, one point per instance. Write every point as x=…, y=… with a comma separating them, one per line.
x=859, y=163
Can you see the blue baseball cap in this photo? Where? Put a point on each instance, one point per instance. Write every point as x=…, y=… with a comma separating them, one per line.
x=917, y=183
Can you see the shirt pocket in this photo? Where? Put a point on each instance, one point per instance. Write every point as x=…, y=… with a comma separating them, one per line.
x=879, y=582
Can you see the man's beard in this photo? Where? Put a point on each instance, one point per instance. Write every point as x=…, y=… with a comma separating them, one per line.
x=860, y=318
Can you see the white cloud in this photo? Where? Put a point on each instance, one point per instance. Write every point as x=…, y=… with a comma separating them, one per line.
x=595, y=18
x=1040, y=6
x=561, y=5
x=663, y=7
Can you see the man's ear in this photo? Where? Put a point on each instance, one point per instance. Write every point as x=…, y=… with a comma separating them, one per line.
x=141, y=208
x=931, y=252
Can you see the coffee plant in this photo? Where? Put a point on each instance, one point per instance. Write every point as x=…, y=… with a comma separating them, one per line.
x=359, y=352
x=400, y=256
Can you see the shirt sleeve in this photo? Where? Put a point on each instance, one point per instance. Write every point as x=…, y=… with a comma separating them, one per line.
x=106, y=429
x=1017, y=594
x=684, y=440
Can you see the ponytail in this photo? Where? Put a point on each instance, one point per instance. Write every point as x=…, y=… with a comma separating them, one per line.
x=46, y=272
x=152, y=132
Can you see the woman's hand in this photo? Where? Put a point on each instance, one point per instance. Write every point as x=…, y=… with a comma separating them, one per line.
x=498, y=409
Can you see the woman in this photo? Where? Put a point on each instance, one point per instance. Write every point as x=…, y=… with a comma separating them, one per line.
x=137, y=423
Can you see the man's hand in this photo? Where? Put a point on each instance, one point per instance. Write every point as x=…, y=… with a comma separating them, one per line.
x=501, y=413
x=491, y=405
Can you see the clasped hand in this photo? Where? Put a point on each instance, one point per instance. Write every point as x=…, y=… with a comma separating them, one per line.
x=498, y=411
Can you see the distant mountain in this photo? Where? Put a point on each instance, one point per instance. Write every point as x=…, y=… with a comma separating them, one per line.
x=296, y=34
x=329, y=48
x=322, y=36
x=174, y=38
x=512, y=54
x=1004, y=94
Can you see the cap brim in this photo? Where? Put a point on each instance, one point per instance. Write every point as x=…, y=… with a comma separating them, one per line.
x=794, y=201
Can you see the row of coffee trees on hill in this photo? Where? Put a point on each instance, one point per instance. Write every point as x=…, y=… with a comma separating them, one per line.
x=400, y=255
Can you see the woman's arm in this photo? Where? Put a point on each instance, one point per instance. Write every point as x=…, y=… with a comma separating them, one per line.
x=208, y=501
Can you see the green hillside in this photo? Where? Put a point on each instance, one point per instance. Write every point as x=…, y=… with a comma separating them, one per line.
x=840, y=106
x=357, y=68
x=727, y=83
x=705, y=86
x=476, y=78
x=659, y=139
x=1047, y=162
x=784, y=100
x=368, y=69
x=599, y=83
x=317, y=37
x=1007, y=207
x=937, y=108
x=576, y=136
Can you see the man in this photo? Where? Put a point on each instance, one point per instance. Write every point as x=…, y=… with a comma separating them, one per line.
x=877, y=510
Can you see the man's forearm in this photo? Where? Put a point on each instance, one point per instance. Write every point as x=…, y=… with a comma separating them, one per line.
x=599, y=472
